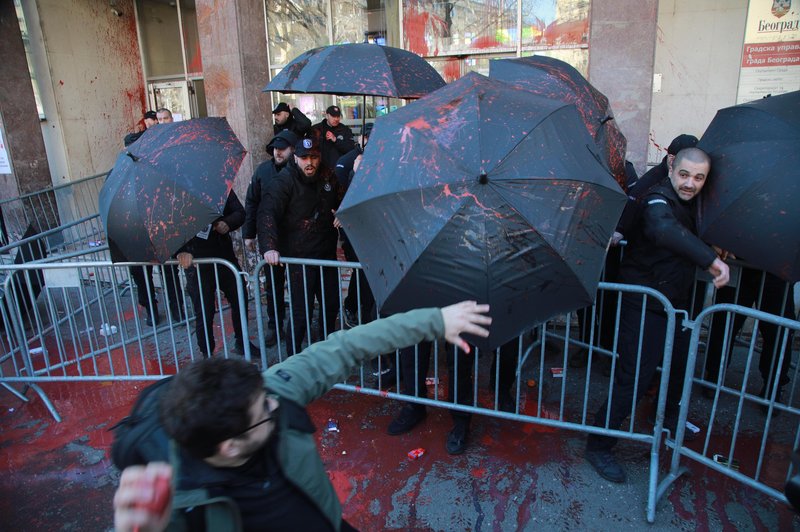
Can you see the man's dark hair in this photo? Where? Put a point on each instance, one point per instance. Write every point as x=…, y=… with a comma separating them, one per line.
x=208, y=402
x=164, y=110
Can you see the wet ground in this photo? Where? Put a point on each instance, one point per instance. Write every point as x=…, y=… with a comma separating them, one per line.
x=514, y=476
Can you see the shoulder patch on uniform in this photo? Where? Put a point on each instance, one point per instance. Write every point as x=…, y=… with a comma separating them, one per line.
x=657, y=200
x=283, y=375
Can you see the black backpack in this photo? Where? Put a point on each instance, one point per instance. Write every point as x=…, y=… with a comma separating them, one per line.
x=139, y=438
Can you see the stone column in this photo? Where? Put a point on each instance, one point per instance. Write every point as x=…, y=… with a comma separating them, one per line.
x=234, y=50
x=621, y=58
x=19, y=118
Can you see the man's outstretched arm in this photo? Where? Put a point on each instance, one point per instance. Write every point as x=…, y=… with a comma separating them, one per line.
x=311, y=373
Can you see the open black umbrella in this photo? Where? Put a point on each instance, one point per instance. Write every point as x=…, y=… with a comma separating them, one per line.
x=482, y=191
x=556, y=79
x=750, y=203
x=361, y=69
x=169, y=185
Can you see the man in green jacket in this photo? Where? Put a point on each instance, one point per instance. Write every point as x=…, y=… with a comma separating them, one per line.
x=246, y=436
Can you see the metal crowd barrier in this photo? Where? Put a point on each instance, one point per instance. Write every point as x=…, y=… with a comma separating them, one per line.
x=50, y=208
x=748, y=435
x=86, y=325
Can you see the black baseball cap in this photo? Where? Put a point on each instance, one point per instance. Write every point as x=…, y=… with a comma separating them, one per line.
x=333, y=110
x=306, y=146
x=151, y=115
x=283, y=106
x=681, y=142
x=282, y=140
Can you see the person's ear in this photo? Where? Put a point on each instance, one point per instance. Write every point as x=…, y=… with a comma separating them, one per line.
x=229, y=448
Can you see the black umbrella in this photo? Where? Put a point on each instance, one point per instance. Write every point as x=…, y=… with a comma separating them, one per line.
x=361, y=69
x=556, y=79
x=169, y=185
x=750, y=203
x=482, y=191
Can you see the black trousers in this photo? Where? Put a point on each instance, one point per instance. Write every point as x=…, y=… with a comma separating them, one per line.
x=415, y=362
x=202, y=284
x=145, y=289
x=605, y=304
x=306, y=286
x=275, y=281
x=623, y=395
x=359, y=293
x=777, y=299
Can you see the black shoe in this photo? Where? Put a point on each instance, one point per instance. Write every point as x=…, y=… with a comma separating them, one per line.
x=152, y=320
x=349, y=319
x=238, y=349
x=606, y=465
x=270, y=338
x=409, y=417
x=457, y=438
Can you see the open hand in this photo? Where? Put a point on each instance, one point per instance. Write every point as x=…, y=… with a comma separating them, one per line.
x=465, y=317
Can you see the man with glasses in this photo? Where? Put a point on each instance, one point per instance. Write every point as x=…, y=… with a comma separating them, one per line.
x=246, y=436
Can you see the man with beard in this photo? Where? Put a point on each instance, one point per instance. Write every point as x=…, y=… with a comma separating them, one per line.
x=247, y=438
x=290, y=118
x=663, y=254
x=296, y=218
x=281, y=149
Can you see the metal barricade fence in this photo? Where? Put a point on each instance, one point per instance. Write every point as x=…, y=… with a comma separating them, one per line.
x=50, y=208
x=743, y=438
x=83, y=322
x=86, y=325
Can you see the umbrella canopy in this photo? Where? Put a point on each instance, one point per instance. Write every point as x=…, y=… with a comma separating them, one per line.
x=556, y=79
x=750, y=203
x=482, y=191
x=169, y=185
x=361, y=69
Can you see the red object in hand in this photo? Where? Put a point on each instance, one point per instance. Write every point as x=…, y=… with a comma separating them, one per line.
x=162, y=493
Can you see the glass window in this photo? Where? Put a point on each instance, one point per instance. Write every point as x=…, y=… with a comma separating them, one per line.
x=191, y=38
x=351, y=21
x=435, y=27
x=158, y=24
x=555, y=23
x=295, y=26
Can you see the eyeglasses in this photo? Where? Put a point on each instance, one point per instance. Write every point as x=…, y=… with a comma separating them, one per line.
x=254, y=425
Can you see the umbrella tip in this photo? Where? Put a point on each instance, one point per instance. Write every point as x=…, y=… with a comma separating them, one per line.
x=483, y=178
x=132, y=156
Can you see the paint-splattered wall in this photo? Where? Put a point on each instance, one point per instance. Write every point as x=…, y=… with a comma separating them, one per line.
x=95, y=77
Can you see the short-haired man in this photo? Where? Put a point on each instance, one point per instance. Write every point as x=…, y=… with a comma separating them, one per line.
x=290, y=118
x=663, y=254
x=295, y=218
x=281, y=149
x=335, y=138
x=164, y=116
x=247, y=436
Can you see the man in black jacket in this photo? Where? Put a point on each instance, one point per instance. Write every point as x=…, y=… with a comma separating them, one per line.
x=295, y=218
x=201, y=280
x=663, y=254
x=290, y=118
x=335, y=138
x=281, y=149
